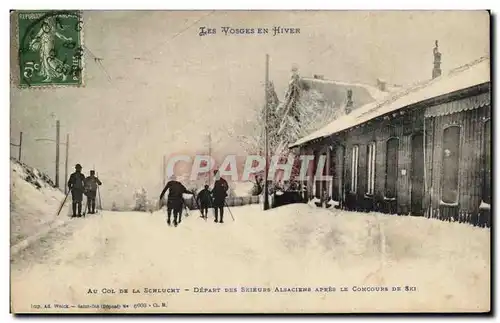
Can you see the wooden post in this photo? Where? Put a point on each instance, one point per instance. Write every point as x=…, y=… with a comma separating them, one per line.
x=66, y=165
x=266, y=148
x=209, y=156
x=58, y=125
x=20, y=144
x=163, y=171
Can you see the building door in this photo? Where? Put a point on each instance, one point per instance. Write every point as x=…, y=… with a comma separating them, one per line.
x=417, y=174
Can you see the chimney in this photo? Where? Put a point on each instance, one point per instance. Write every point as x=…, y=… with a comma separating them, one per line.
x=349, y=103
x=436, y=71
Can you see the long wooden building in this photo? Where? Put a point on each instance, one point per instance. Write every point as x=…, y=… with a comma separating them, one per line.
x=424, y=151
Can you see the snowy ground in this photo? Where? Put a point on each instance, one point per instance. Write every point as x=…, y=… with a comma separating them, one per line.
x=291, y=246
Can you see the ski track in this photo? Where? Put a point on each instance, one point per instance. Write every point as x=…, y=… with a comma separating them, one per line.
x=289, y=246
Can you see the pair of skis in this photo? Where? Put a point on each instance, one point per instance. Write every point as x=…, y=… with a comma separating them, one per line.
x=64, y=202
x=86, y=203
x=206, y=216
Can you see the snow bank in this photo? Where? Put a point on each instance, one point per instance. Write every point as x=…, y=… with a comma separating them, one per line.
x=33, y=203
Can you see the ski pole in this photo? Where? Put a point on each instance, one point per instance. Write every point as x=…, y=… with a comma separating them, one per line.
x=229, y=209
x=100, y=201
x=63, y=202
x=86, y=204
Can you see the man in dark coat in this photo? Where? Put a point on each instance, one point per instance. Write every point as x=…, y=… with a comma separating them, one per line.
x=76, y=184
x=175, y=201
x=219, y=194
x=204, y=200
x=91, y=183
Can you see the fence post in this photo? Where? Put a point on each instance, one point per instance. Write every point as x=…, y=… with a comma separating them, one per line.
x=20, y=144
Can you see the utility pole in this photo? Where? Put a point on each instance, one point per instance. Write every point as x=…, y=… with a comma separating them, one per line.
x=19, y=145
x=266, y=186
x=58, y=125
x=163, y=171
x=209, y=157
x=66, y=165
x=58, y=143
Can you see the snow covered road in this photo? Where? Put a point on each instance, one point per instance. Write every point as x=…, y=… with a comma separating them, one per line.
x=295, y=246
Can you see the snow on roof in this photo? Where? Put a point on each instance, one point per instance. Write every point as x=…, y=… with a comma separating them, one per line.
x=336, y=91
x=373, y=90
x=471, y=74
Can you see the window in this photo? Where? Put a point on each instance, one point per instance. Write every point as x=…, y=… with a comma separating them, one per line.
x=370, y=166
x=317, y=184
x=391, y=170
x=338, y=180
x=354, y=169
x=487, y=163
x=450, y=167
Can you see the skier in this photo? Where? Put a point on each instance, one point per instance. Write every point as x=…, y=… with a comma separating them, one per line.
x=91, y=183
x=175, y=201
x=204, y=200
x=219, y=194
x=76, y=184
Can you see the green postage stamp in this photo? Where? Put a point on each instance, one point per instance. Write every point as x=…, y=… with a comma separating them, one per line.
x=50, y=48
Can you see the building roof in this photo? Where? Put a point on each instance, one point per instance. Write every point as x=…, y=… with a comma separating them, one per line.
x=471, y=74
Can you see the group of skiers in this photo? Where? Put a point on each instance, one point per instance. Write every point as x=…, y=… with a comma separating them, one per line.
x=79, y=185
x=205, y=199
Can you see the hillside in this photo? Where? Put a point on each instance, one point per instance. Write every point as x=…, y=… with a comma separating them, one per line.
x=33, y=201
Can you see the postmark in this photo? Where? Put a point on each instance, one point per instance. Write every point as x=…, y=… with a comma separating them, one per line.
x=50, y=48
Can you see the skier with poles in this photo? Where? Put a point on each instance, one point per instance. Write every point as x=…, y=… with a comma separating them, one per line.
x=76, y=184
x=219, y=194
x=175, y=201
x=204, y=200
x=91, y=186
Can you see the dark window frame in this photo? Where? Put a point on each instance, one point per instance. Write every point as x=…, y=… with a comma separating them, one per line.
x=354, y=169
x=459, y=158
x=371, y=168
x=386, y=196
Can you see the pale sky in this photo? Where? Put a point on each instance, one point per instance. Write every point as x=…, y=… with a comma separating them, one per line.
x=165, y=94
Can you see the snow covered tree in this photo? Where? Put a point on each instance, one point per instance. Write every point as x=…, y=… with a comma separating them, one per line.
x=141, y=200
x=302, y=111
x=305, y=111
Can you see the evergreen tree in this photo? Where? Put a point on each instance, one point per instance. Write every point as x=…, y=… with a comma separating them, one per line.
x=141, y=200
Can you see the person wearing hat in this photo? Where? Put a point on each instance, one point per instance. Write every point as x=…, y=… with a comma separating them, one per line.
x=91, y=183
x=219, y=194
x=76, y=184
x=175, y=201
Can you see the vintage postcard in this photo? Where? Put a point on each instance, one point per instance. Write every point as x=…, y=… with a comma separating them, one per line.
x=250, y=161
